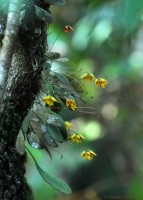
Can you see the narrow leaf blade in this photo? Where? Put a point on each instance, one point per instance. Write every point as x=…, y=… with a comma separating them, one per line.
x=43, y=15
x=54, y=132
x=62, y=78
x=55, y=182
x=20, y=143
x=26, y=121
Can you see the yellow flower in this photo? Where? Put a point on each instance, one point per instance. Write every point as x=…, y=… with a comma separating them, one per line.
x=68, y=125
x=50, y=100
x=88, y=77
x=68, y=28
x=101, y=82
x=76, y=138
x=71, y=103
x=88, y=154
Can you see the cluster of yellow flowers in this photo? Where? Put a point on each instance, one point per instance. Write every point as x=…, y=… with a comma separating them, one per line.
x=78, y=138
x=72, y=105
x=75, y=138
x=50, y=100
x=98, y=81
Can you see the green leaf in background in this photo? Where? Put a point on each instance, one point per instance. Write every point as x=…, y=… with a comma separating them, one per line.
x=56, y=2
x=132, y=13
x=53, y=181
x=43, y=15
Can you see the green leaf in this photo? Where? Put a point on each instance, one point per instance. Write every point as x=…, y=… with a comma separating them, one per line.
x=20, y=143
x=34, y=141
x=62, y=78
x=76, y=84
x=56, y=2
x=54, y=132
x=26, y=121
x=62, y=128
x=60, y=100
x=35, y=126
x=53, y=120
x=53, y=55
x=53, y=181
x=43, y=15
x=60, y=91
x=47, y=137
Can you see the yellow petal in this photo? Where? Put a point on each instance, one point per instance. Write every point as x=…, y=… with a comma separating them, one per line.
x=92, y=152
x=97, y=82
x=49, y=100
x=68, y=125
x=71, y=103
x=84, y=155
x=88, y=77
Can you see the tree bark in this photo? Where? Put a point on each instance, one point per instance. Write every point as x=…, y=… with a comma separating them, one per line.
x=23, y=84
x=13, y=22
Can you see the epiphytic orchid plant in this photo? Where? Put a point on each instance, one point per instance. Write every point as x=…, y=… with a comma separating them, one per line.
x=43, y=127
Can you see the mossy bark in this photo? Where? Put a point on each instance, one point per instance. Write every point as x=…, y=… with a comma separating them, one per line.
x=23, y=85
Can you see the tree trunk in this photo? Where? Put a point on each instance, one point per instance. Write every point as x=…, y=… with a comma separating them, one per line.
x=23, y=85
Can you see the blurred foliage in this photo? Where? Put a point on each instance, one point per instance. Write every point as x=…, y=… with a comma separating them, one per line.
x=107, y=41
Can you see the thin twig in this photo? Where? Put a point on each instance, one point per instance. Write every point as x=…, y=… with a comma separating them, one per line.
x=9, y=41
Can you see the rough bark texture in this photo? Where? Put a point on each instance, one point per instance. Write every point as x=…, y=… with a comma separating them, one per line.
x=12, y=27
x=23, y=84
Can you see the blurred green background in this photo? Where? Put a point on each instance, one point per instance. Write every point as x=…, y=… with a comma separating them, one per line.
x=108, y=42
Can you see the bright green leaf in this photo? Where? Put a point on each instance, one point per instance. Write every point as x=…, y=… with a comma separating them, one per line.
x=53, y=181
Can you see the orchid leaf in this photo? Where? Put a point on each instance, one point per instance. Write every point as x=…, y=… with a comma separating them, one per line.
x=53, y=181
x=43, y=15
